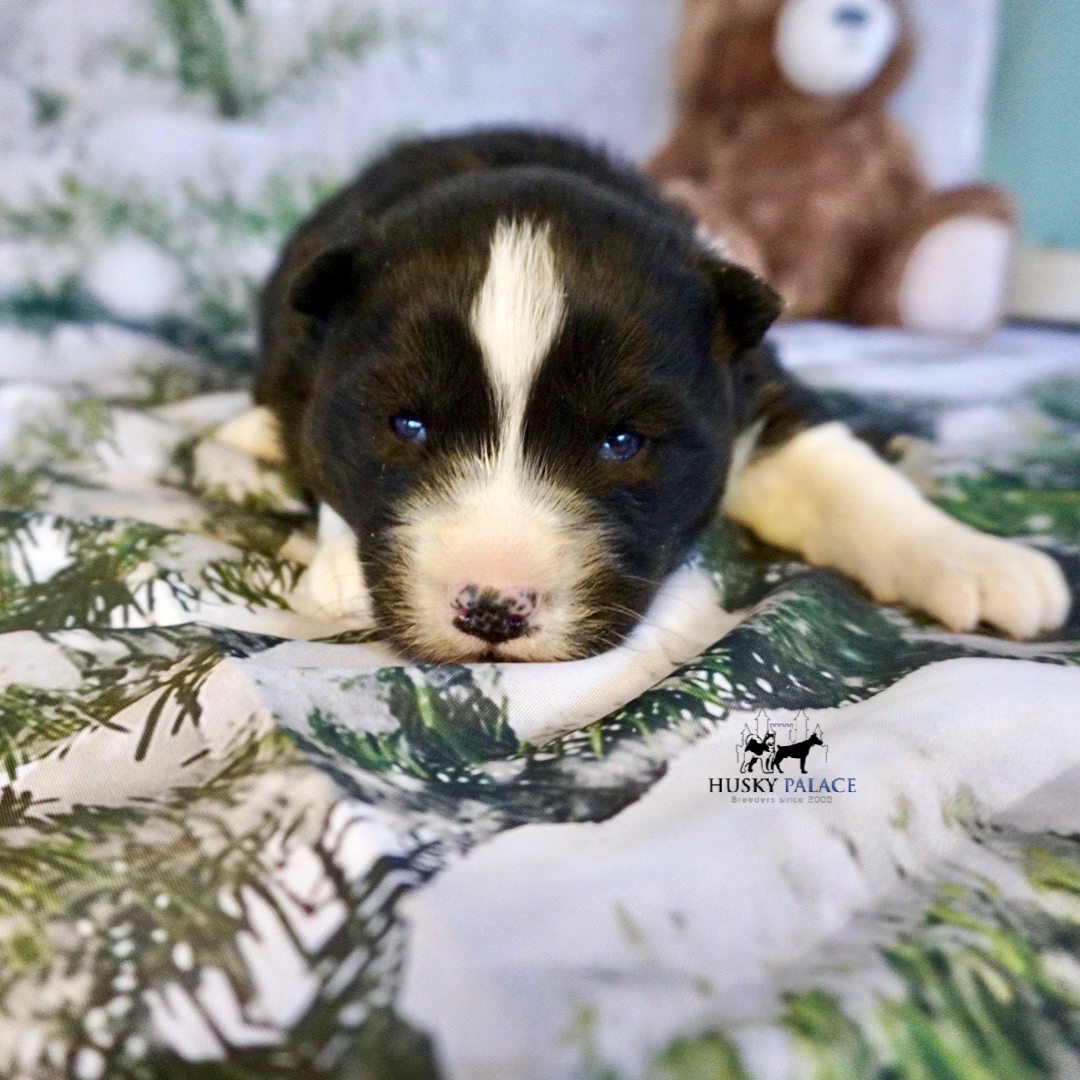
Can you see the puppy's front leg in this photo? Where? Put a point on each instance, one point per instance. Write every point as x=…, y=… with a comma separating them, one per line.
x=828, y=496
x=335, y=579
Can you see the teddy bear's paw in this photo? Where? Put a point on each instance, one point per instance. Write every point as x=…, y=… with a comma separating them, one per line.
x=963, y=578
x=334, y=582
x=956, y=277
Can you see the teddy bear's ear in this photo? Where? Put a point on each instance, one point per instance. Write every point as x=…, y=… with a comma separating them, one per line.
x=748, y=305
x=327, y=280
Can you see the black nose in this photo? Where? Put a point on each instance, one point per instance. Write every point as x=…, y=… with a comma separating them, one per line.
x=851, y=15
x=490, y=617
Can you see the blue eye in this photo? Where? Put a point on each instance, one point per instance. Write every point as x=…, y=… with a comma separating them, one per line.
x=621, y=446
x=410, y=428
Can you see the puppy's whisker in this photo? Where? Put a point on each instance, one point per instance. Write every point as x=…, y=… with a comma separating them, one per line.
x=653, y=582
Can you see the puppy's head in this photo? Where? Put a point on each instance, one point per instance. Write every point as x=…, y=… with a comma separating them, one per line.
x=524, y=416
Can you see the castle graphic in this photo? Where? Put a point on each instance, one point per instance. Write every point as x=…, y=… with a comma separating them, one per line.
x=785, y=732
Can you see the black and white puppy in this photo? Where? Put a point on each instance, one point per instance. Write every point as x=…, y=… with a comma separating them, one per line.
x=520, y=386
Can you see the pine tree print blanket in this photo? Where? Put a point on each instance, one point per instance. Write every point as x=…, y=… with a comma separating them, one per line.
x=805, y=836
x=814, y=836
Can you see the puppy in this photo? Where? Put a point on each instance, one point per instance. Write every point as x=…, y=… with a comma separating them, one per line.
x=520, y=386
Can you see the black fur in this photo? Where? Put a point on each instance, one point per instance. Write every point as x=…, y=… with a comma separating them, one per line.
x=366, y=317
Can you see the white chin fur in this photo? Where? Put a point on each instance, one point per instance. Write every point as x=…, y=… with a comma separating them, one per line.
x=489, y=523
x=821, y=53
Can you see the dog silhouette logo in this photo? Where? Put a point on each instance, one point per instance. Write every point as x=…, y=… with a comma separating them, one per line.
x=755, y=750
x=762, y=743
x=799, y=751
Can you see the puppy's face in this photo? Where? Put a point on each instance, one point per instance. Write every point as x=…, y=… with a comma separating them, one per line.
x=526, y=432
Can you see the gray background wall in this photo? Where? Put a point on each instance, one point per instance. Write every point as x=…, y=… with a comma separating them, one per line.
x=99, y=91
x=603, y=65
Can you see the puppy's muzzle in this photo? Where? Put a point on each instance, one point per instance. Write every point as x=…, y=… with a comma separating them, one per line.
x=494, y=615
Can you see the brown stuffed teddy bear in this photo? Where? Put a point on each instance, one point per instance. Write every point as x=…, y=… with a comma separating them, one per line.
x=786, y=153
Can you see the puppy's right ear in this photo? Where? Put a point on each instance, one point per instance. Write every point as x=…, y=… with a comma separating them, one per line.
x=748, y=306
x=326, y=281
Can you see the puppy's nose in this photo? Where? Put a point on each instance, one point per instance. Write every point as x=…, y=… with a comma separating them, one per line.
x=493, y=615
x=852, y=15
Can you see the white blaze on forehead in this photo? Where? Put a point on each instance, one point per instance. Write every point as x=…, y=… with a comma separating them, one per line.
x=517, y=316
x=492, y=521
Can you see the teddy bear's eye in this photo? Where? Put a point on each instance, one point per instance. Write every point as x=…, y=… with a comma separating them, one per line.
x=851, y=15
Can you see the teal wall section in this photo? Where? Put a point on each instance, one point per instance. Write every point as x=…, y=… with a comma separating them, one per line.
x=1034, y=139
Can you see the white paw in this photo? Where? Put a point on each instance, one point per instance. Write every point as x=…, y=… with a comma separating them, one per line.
x=335, y=582
x=256, y=432
x=956, y=278
x=963, y=578
x=829, y=497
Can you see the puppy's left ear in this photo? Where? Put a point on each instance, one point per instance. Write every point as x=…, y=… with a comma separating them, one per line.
x=327, y=280
x=748, y=304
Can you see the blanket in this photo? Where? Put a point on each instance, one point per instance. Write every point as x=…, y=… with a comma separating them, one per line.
x=238, y=840
x=781, y=833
